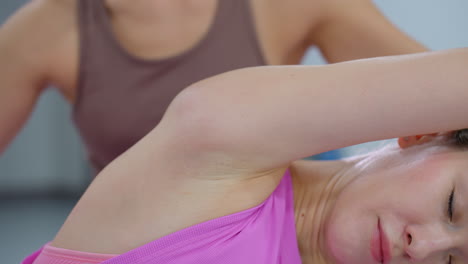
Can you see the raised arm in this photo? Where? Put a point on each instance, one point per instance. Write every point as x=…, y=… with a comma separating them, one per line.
x=355, y=29
x=27, y=41
x=265, y=117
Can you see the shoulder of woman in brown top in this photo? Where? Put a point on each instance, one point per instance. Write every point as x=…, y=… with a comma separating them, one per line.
x=341, y=29
x=37, y=47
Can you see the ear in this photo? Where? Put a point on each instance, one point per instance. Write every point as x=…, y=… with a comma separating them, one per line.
x=406, y=142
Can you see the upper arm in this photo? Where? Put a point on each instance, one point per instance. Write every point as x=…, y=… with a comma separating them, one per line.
x=261, y=118
x=27, y=43
x=356, y=29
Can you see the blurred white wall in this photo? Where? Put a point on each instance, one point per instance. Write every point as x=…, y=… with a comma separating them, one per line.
x=48, y=156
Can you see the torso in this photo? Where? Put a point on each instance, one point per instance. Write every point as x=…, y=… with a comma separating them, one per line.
x=180, y=25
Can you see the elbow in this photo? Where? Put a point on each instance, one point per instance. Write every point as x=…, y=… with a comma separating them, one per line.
x=194, y=116
x=209, y=113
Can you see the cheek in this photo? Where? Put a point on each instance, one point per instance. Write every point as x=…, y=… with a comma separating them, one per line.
x=349, y=228
x=422, y=192
x=347, y=236
x=404, y=190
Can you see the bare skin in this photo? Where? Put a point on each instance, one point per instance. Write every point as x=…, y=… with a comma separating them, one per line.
x=33, y=59
x=197, y=178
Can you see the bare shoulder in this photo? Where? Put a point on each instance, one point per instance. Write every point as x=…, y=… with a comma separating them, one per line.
x=329, y=11
x=354, y=29
x=56, y=10
x=37, y=35
x=306, y=13
x=342, y=5
x=285, y=42
x=39, y=20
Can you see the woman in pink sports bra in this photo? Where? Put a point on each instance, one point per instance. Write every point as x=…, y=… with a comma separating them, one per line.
x=221, y=179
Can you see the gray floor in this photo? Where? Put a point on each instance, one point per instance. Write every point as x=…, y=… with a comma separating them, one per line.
x=26, y=224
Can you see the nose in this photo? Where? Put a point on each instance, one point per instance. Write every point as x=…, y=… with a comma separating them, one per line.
x=423, y=241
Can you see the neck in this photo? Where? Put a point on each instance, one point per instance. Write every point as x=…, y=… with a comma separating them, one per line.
x=316, y=186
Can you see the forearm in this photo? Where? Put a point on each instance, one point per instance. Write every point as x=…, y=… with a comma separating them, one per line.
x=286, y=113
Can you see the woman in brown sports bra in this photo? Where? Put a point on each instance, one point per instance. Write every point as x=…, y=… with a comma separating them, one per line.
x=119, y=63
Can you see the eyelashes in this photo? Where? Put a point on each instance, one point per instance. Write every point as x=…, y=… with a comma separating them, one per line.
x=450, y=209
x=450, y=213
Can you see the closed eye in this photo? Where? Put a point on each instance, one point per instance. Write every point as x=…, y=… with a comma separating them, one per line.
x=450, y=208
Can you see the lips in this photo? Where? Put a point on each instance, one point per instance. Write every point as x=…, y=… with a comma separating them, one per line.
x=380, y=245
x=385, y=245
x=376, y=244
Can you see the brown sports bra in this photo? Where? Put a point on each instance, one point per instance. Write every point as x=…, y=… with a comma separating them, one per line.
x=122, y=97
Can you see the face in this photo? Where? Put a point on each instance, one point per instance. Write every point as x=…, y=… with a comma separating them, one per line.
x=410, y=213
